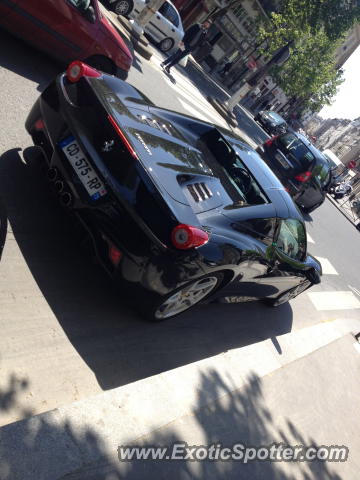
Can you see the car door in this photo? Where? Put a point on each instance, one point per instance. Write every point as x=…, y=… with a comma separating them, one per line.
x=257, y=259
x=165, y=23
x=60, y=27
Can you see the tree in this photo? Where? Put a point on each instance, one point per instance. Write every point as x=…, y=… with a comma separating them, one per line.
x=300, y=18
x=297, y=18
x=311, y=69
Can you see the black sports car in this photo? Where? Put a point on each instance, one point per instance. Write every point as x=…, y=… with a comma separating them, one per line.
x=177, y=209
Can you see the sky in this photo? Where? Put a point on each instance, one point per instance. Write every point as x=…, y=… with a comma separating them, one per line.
x=347, y=100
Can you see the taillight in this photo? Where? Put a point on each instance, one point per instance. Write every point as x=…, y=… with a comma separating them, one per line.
x=303, y=177
x=269, y=142
x=78, y=69
x=123, y=137
x=39, y=124
x=115, y=255
x=185, y=237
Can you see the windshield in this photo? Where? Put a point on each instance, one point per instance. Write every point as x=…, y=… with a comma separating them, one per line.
x=227, y=165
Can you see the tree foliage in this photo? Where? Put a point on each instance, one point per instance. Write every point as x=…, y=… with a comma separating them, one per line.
x=311, y=69
x=316, y=28
x=296, y=18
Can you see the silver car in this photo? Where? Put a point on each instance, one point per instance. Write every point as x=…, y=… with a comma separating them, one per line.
x=165, y=27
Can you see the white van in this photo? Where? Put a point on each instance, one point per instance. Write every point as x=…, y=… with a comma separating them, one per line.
x=336, y=164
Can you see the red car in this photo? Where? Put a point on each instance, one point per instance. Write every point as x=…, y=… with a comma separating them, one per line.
x=68, y=30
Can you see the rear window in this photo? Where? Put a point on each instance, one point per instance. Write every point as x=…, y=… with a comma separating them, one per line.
x=296, y=148
x=221, y=158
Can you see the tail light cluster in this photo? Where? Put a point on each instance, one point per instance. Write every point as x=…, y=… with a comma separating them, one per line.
x=124, y=140
x=303, y=177
x=185, y=237
x=269, y=142
x=78, y=69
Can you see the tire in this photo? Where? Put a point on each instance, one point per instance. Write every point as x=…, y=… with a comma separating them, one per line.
x=338, y=196
x=205, y=285
x=288, y=295
x=102, y=63
x=166, y=44
x=122, y=7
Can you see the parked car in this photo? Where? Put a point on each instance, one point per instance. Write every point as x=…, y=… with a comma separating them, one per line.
x=177, y=209
x=272, y=122
x=68, y=29
x=301, y=168
x=165, y=27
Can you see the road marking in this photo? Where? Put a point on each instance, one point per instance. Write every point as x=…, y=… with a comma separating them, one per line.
x=334, y=300
x=309, y=239
x=355, y=290
x=327, y=268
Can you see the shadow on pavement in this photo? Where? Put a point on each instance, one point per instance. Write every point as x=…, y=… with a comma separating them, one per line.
x=56, y=447
x=26, y=61
x=115, y=343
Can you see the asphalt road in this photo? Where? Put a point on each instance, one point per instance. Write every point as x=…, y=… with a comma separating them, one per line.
x=65, y=332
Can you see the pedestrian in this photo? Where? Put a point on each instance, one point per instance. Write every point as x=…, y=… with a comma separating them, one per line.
x=226, y=68
x=193, y=37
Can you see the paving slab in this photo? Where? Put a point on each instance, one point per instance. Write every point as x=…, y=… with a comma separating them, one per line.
x=178, y=404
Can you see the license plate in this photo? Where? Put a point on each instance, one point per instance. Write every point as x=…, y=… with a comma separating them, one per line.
x=87, y=175
x=281, y=160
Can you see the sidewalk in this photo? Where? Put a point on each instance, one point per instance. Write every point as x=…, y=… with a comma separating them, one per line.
x=304, y=391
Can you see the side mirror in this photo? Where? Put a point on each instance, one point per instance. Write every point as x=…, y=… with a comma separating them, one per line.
x=313, y=276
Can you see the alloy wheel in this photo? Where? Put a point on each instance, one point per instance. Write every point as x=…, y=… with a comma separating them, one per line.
x=186, y=297
x=122, y=8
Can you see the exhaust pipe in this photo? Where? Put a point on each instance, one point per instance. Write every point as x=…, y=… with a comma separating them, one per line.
x=66, y=199
x=52, y=174
x=59, y=186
